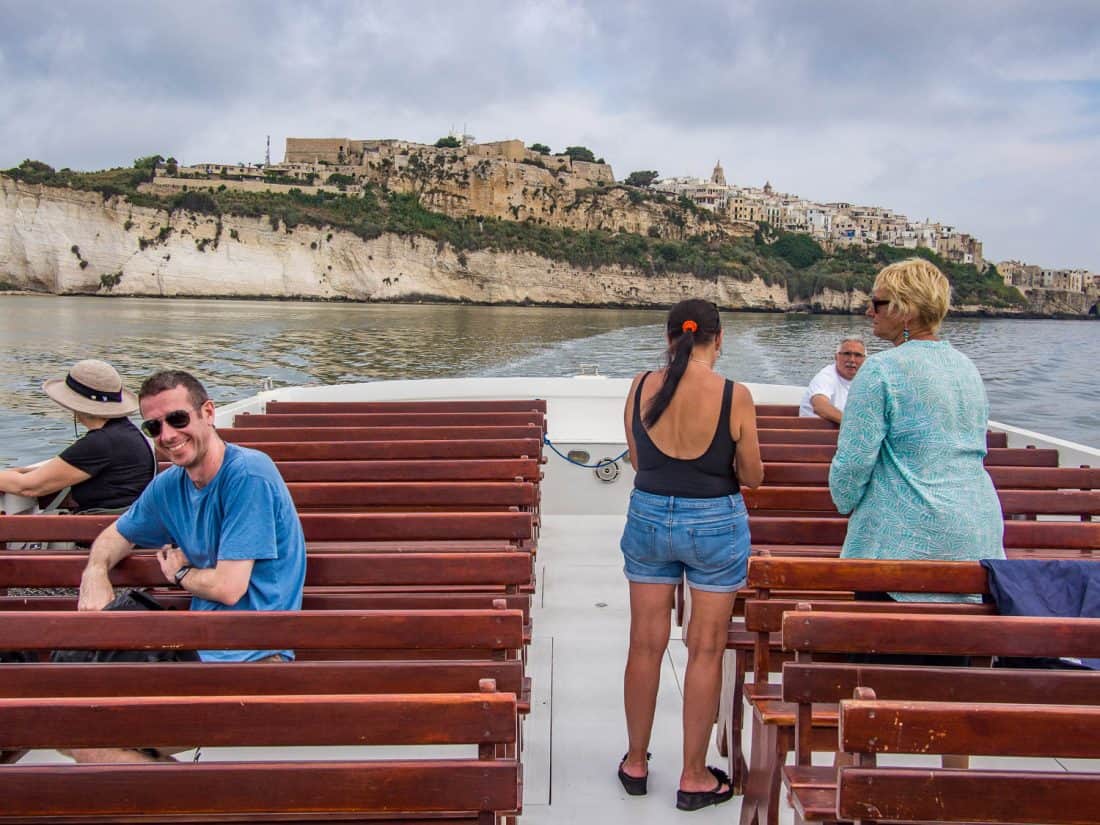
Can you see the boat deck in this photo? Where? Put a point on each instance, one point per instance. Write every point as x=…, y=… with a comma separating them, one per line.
x=575, y=733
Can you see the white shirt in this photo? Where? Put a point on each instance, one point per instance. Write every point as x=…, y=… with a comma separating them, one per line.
x=831, y=384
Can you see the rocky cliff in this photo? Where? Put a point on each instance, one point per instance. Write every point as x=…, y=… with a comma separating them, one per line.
x=65, y=241
x=69, y=242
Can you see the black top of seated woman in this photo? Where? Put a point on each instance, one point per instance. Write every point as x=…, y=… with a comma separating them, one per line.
x=119, y=461
x=709, y=476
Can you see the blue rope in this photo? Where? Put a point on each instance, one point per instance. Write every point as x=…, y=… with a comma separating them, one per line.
x=602, y=463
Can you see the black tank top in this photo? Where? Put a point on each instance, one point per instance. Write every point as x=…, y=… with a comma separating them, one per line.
x=709, y=476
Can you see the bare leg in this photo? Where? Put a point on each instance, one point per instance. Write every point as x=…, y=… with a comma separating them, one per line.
x=650, y=623
x=128, y=755
x=706, y=643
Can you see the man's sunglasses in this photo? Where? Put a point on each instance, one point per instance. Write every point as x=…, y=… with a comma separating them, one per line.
x=177, y=420
x=879, y=303
x=847, y=353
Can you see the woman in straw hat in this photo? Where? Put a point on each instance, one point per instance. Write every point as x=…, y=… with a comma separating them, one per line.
x=109, y=466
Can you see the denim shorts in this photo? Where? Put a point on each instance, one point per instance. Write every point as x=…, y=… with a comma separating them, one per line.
x=667, y=537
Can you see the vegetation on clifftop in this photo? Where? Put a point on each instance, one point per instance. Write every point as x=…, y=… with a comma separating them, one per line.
x=777, y=257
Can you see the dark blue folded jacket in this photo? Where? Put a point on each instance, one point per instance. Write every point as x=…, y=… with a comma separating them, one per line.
x=1034, y=587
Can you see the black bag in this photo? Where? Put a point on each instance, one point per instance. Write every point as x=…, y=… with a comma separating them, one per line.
x=130, y=600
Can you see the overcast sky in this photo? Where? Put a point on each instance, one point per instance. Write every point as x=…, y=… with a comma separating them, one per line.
x=985, y=115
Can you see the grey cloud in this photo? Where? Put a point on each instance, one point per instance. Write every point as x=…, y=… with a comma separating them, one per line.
x=952, y=109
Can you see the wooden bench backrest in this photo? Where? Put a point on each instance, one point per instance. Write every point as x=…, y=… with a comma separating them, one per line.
x=831, y=682
x=810, y=632
x=395, y=419
x=1013, y=502
x=320, y=598
x=260, y=435
x=829, y=437
x=262, y=720
x=316, y=526
x=451, y=495
x=500, y=469
x=823, y=453
x=497, y=405
x=1004, y=478
x=220, y=678
x=994, y=796
x=507, y=569
x=227, y=791
x=398, y=450
x=259, y=630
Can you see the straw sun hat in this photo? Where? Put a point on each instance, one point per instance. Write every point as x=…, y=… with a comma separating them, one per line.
x=92, y=387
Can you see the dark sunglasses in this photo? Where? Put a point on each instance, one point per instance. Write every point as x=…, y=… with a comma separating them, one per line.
x=879, y=303
x=851, y=354
x=177, y=420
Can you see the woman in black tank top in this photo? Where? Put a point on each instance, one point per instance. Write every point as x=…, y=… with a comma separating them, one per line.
x=693, y=443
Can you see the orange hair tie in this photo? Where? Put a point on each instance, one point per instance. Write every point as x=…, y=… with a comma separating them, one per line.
x=689, y=326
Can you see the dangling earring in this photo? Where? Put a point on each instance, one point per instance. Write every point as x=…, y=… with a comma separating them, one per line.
x=905, y=335
x=75, y=431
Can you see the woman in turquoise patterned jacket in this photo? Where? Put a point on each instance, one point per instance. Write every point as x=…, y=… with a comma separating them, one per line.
x=909, y=459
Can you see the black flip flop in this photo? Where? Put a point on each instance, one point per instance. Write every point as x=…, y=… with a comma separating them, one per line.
x=634, y=785
x=694, y=800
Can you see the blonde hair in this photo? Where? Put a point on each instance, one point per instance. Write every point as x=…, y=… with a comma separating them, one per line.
x=916, y=287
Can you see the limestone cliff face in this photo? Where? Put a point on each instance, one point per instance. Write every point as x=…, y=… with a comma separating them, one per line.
x=70, y=242
x=66, y=242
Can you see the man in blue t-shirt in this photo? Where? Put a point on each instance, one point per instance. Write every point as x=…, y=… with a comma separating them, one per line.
x=222, y=516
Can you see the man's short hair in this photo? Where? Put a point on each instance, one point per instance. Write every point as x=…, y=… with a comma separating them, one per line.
x=166, y=380
x=852, y=339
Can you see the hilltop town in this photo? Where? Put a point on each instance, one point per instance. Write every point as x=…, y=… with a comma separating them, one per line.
x=533, y=184
x=505, y=222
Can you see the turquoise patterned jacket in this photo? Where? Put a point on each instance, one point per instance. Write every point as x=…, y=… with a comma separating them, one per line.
x=909, y=461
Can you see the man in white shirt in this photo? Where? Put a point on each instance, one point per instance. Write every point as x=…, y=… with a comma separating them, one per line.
x=828, y=391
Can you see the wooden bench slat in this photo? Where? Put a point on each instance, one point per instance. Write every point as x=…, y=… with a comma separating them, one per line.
x=452, y=405
x=392, y=419
x=832, y=682
x=945, y=635
x=989, y=796
x=413, y=470
x=316, y=526
x=335, y=569
x=453, y=495
x=219, y=678
x=258, y=721
x=398, y=449
x=248, y=630
x=254, y=435
x=155, y=791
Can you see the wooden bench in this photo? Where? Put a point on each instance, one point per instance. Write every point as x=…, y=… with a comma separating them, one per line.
x=817, y=687
x=831, y=582
x=869, y=793
x=806, y=683
x=477, y=790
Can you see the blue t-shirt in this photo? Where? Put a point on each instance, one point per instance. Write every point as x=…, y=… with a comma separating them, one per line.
x=245, y=512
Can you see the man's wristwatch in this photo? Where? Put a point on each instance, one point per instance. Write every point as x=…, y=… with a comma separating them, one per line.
x=183, y=571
